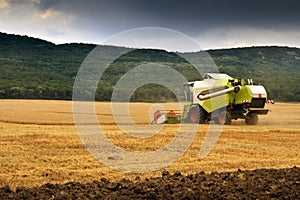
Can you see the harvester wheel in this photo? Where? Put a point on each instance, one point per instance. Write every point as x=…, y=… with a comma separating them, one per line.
x=251, y=119
x=196, y=115
x=224, y=117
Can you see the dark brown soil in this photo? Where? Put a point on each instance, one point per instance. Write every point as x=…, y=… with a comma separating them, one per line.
x=256, y=184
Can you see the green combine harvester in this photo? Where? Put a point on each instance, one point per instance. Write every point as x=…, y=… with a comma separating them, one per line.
x=219, y=98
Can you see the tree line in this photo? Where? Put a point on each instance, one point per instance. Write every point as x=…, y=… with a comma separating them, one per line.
x=36, y=69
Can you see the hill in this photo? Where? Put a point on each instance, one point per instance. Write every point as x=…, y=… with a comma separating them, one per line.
x=36, y=69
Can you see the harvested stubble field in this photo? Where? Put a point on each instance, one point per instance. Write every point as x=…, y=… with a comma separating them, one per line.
x=40, y=145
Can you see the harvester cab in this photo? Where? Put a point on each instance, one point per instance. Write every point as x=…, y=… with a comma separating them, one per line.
x=219, y=98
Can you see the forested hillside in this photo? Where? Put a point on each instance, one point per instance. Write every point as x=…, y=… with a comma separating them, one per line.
x=36, y=69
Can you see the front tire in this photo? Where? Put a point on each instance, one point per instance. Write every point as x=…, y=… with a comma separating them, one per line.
x=196, y=115
x=251, y=119
x=224, y=118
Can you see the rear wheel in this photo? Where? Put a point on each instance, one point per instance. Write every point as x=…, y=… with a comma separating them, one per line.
x=224, y=117
x=251, y=119
x=196, y=115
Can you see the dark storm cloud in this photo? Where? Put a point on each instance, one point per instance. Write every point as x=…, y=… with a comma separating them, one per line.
x=213, y=23
x=187, y=16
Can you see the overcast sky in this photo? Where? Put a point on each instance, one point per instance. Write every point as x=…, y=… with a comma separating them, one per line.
x=214, y=24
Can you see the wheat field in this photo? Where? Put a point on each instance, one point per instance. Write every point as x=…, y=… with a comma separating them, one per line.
x=40, y=144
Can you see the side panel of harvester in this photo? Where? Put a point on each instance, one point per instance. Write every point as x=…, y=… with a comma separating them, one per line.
x=202, y=91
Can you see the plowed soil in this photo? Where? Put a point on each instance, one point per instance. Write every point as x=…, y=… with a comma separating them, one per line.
x=256, y=184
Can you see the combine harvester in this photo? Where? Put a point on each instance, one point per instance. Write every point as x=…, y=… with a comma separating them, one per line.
x=219, y=98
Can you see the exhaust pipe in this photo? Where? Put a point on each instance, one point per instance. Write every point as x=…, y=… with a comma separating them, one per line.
x=218, y=93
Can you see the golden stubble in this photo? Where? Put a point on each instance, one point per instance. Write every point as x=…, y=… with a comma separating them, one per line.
x=40, y=144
